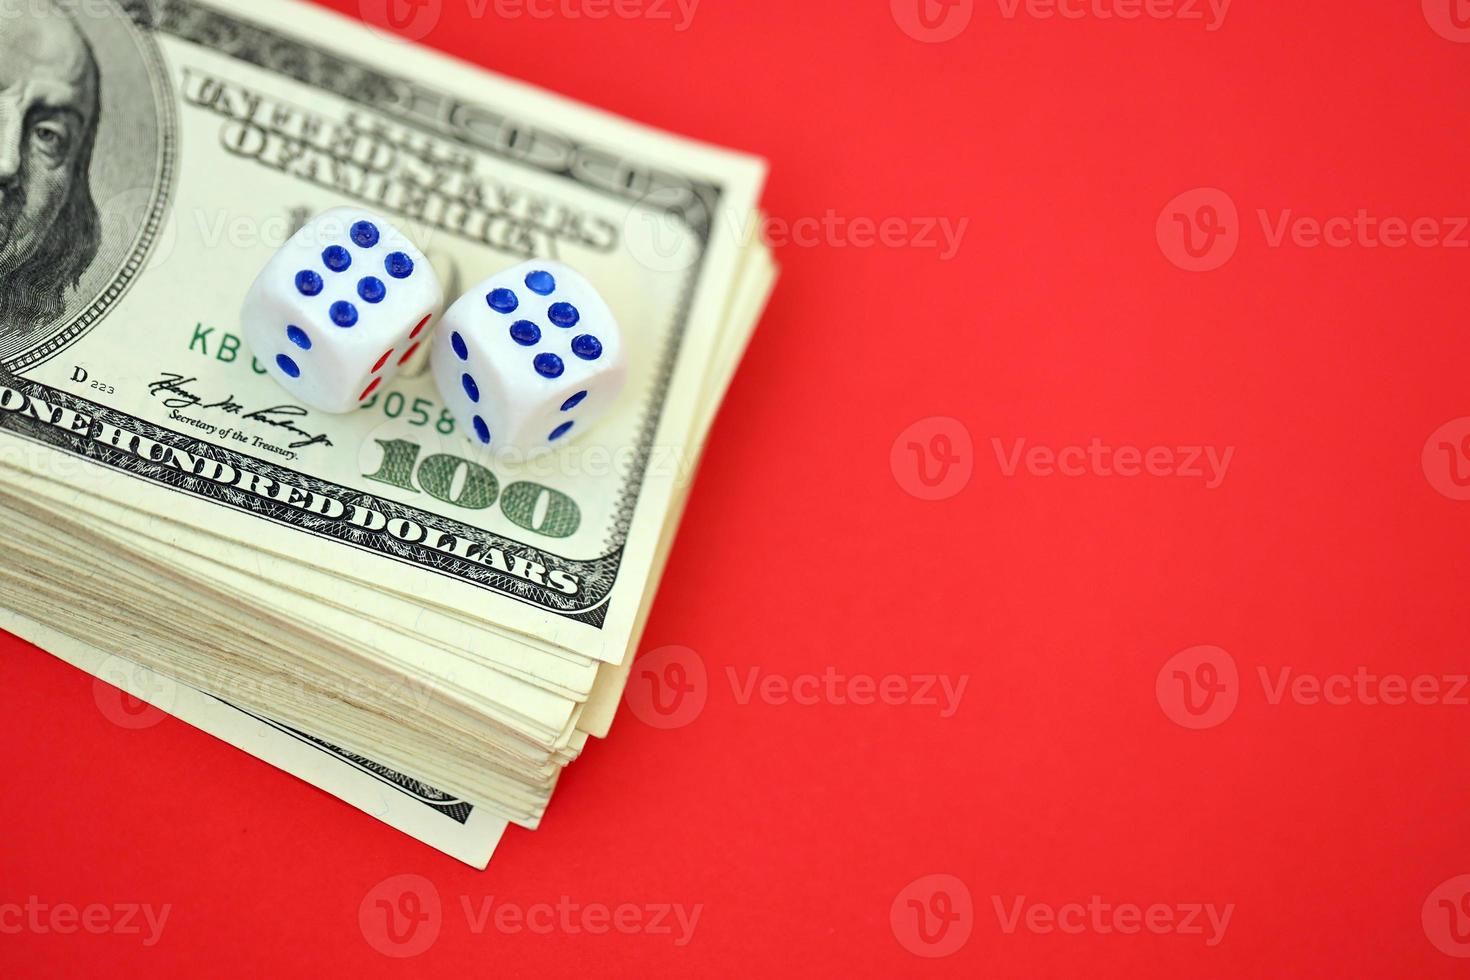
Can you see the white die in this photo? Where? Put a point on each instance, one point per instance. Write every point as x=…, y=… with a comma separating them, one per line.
x=339, y=307
x=528, y=358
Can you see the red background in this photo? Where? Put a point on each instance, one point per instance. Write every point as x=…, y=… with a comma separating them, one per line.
x=1326, y=547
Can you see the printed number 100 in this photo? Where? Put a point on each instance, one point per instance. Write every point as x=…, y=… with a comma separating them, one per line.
x=464, y=483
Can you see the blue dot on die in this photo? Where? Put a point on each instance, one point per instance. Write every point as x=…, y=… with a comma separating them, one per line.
x=482, y=430
x=460, y=350
x=470, y=388
x=371, y=289
x=364, y=233
x=525, y=333
x=587, y=347
x=298, y=337
x=559, y=431
x=308, y=283
x=288, y=366
x=502, y=301
x=398, y=265
x=336, y=257
x=343, y=313
x=573, y=401
x=541, y=283
x=563, y=314
x=548, y=365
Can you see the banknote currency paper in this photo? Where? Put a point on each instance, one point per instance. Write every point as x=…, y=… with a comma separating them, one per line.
x=226, y=124
x=135, y=425
x=448, y=824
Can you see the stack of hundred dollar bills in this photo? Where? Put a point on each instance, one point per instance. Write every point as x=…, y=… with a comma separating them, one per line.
x=365, y=600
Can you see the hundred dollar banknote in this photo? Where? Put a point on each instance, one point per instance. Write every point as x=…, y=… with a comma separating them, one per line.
x=189, y=140
x=177, y=144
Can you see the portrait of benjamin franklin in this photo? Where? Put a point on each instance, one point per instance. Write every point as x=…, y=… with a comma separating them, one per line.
x=85, y=139
x=49, y=107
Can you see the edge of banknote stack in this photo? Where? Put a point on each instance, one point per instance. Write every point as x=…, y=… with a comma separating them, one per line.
x=441, y=707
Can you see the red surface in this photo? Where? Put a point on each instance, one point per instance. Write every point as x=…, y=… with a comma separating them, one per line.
x=1326, y=548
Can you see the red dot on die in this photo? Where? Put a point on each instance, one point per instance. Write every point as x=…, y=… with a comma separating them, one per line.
x=369, y=389
x=407, y=354
x=416, y=329
x=382, y=360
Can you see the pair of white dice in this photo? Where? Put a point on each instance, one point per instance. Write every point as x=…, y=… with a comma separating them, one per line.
x=524, y=361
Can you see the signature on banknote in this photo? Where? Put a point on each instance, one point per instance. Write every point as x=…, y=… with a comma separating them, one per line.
x=176, y=394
